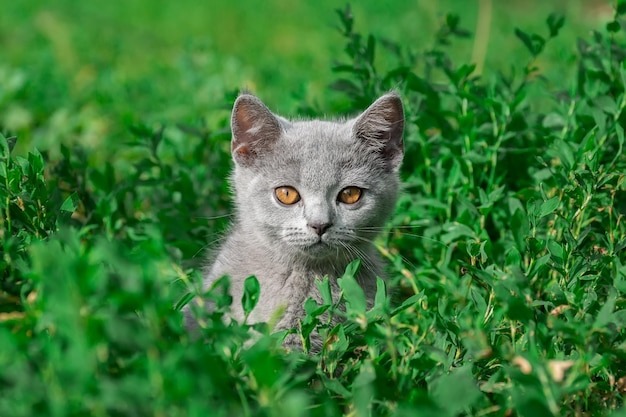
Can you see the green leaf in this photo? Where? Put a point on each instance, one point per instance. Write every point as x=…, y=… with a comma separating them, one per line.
x=184, y=300
x=457, y=391
x=335, y=386
x=452, y=21
x=518, y=310
x=352, y=292
x=619, y=281
x=534, y=407
x=513, y=257
x=563, y=151
x=346, y=86
x=71, y=203
x=605, y=315
x=262, y=365
x=555, y=23
x=557, y=252
x=607, y=104
x=381, y=294
x=363, y=390
x=613, y=26
x=533, y=208
x=336, y=341
x=4, y=147
x=539, y=264
x=523, y=36
x=346, y=17
x=621, y=412
x=311, y=308
x=548, y=206
x=520, y=228
x=620, y=136
x=11, y=141
x=619, y=318
x=370, y=51
x=455, y=230
x=323, y=285
x=534, y=43
x=35, y=159
x=251, y=292
x=311, y=319
x=553, y=121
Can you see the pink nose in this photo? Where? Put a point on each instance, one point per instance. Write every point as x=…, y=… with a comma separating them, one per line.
x=320, y=228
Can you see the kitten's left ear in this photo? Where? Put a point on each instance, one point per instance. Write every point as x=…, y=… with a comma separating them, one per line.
x=255, y=129
x=382, y=126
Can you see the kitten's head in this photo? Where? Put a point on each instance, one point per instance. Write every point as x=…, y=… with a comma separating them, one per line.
x=316, y=190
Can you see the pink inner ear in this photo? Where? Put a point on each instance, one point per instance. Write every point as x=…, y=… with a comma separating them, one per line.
x=255, y=129
x=381, y=126
x=245, y=118
x=242, y=150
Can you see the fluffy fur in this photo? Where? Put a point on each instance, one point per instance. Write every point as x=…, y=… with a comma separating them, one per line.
x=281, y=244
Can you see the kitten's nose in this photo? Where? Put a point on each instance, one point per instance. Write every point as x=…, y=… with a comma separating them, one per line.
x=320, y=228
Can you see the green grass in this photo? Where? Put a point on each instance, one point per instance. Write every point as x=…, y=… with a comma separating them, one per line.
x=73, y=72
x=507, y=251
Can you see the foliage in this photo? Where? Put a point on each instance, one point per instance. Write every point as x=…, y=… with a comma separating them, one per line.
x=507, y=247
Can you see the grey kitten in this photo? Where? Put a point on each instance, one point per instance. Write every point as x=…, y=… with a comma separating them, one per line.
x=310, y=197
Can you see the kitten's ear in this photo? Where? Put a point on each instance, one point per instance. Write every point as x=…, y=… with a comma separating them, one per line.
x=254, y=128
x=381, y=126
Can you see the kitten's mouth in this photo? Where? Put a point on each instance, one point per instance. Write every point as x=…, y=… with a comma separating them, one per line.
x=319, y=249
x=319, y=245
x=316, y=247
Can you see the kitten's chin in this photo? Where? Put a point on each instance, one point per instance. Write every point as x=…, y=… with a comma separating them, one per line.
x=319, y=251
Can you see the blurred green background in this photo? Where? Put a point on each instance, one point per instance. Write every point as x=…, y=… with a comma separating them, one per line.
x=81, y=71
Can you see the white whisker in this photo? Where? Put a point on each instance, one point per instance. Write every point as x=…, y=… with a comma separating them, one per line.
x=388, y=227
x=403, y=258
x=209, y=245
x=221, y=216
x=392, y=230
x=357, y=252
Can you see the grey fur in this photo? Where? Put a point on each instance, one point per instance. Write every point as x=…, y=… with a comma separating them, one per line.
x=275, y=242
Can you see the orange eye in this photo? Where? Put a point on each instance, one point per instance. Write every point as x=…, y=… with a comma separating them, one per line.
x=350, y=195
x=287, y=195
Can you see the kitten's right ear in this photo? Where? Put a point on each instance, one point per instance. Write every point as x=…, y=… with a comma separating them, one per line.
x=254, y=128
x=381, y=126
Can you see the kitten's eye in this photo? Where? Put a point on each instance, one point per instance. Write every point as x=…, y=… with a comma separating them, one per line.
x=287, y=195
x=350, y=195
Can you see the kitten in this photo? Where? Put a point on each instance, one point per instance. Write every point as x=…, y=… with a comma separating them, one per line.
x=310, y=197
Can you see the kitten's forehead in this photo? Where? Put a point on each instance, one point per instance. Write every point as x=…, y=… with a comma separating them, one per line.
x=325, y=138
x=321, y=152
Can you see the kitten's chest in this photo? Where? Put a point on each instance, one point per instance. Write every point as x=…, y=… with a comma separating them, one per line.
x=287, y=291
x=298, y=284
x=296, y=287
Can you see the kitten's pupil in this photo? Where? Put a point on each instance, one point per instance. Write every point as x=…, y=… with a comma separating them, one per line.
x=287, y=195
x=350, y=195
